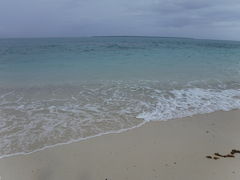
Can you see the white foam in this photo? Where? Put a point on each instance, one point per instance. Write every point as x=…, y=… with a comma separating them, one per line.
x=192, y=101
x=31, y=123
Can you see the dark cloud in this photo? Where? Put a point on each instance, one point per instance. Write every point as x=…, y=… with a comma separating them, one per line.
x=218, y=19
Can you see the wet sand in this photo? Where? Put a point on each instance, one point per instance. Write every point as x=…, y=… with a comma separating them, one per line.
x=175, y=149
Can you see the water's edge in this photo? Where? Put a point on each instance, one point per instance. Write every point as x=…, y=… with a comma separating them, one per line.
x=105, y=133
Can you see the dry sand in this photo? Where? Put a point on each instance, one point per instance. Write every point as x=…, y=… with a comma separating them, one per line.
x=174, y=149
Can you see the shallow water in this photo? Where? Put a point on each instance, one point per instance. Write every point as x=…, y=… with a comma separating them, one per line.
x=58, y=90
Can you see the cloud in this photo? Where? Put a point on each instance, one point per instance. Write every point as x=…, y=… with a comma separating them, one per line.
x=216, y=19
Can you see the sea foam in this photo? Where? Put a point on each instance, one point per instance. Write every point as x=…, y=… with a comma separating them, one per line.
x=34, y=118
x=193, y=101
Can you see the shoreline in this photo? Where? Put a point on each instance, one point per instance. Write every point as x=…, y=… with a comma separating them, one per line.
x=173, y=149
x=73, y=141
x=105, y=133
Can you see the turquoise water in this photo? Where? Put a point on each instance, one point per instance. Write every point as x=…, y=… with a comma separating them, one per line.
x=50, y=61
x=60, y=90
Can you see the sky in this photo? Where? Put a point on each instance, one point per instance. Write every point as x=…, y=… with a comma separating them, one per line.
x=209, y=19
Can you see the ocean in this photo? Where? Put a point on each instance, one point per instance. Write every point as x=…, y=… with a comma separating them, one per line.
x=59, y=90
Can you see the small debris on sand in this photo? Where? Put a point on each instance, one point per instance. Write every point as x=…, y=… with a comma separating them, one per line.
x=234, y=151
x=217, y=154
x=224, y=156
x=231, y=155
x=209, y=157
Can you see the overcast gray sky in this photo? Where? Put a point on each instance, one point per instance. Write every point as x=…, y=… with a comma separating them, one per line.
x=215, y=19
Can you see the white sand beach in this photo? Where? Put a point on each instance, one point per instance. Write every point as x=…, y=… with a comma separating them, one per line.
x=175, y=149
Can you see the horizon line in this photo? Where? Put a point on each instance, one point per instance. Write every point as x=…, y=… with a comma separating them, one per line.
x=96, y=36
